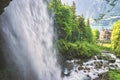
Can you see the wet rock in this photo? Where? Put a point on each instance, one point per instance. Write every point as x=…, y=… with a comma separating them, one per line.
x=105, y=57
x=76, y=71
x=112, y=60
x=80, y=68
x=78, y=62
x=88, y=69
x=85, y=71
x=98, y=65
x=99, y=57
x=65, y=73
x=103, y=76
x=113, y=66
x=89, y=77
x=95, y=58
x=3, y=4
x=68, y=74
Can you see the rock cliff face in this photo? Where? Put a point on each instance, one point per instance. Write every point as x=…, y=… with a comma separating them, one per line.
x=3, y=67
x=3, y=4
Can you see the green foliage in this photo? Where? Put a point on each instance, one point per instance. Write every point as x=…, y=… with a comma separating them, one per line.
x=105, y=46
x=64, y=19
x=81, y=26
x=96, y=34
x=114, y=74
x=89, y=35
x=84, y=30
x=115, y=38
x=77, y=50
x=74, y=34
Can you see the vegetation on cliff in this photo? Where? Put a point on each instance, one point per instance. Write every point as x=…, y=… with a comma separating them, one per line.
x=75, y=37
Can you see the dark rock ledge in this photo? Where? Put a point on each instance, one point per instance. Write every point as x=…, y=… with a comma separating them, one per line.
x=3, y=4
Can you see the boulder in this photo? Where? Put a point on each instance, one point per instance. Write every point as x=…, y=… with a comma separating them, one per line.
x=112, y=61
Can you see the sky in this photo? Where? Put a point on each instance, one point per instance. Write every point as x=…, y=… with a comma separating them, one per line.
x=93, y=8
x=89, y=8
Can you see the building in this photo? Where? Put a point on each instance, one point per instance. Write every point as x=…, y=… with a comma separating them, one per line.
x=105, y=35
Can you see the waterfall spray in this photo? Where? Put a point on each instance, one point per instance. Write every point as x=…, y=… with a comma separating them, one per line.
x=28, y=32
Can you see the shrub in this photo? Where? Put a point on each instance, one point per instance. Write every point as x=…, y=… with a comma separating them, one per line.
x=105, y=46
x=77, y=50
x=116, y=38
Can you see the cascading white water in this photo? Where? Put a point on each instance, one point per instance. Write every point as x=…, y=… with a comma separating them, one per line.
x=28, y=31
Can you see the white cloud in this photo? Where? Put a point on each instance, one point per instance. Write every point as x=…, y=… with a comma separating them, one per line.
x=93, y=8
x=111, y=17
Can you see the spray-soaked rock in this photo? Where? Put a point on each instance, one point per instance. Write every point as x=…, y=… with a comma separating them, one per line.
x=3, y=4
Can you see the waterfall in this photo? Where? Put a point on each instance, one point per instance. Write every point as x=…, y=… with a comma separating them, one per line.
x=28, y=32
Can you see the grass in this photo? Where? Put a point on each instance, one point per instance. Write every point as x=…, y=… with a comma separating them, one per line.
x=105, y=46
x=114, y=74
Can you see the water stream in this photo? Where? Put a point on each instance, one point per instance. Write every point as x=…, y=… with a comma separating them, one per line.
x=94, y=69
